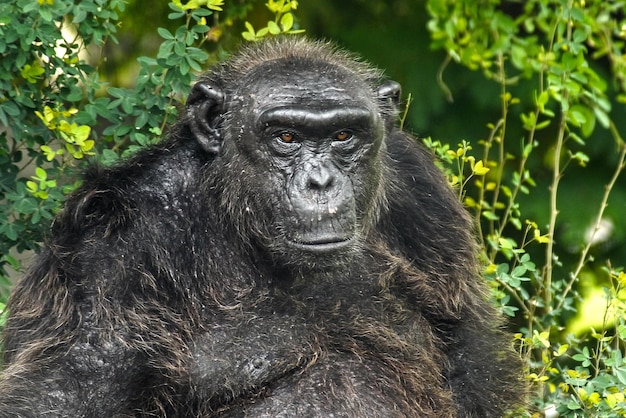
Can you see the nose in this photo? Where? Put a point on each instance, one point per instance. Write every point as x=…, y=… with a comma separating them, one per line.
x=320, y=177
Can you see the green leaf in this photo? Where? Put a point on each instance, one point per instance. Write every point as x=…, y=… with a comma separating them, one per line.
x=26, y=206
x=519, y=272
x=165, y=34
x=583, y=117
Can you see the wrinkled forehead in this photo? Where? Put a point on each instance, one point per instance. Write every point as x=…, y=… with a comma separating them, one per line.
x=315, y=84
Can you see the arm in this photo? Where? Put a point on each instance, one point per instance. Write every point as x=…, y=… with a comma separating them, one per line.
x=485, y=374
x=84, y=381
x=430, y=228
x=61, y=357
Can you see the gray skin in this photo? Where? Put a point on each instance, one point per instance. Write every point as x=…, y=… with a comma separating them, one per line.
x=316, y=145
x=315, y=172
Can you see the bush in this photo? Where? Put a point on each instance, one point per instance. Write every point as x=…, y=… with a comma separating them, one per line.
x=557, y=51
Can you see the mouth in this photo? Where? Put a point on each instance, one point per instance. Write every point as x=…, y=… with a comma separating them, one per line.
x=323, y=244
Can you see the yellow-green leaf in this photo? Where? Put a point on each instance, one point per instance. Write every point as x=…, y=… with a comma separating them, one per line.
x=32, y=186
x=80, y=133
x=286, y=21
x=273, y=28
x=215, y=5
x=41, y=173
x=480, y=169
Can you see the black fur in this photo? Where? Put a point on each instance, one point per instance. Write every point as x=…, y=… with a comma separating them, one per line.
x=162, y=290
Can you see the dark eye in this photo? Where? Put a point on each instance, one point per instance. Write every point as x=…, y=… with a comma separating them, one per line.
x=343, y=136
x=287, y=137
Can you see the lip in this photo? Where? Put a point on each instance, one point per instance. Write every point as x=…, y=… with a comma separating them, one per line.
x=322, y=245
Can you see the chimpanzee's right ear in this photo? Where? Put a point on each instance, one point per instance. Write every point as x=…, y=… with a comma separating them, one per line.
x=205, y=106
x=390, y=91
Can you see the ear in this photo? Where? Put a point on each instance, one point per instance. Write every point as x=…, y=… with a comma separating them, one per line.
x=390, y=91
x=205, y=105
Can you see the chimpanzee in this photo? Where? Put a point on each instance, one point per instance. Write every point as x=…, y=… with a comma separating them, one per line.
x=287, y=251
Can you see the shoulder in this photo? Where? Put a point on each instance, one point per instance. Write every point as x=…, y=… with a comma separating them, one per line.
x=113, y=197
x=424, y=216
x=415, y=174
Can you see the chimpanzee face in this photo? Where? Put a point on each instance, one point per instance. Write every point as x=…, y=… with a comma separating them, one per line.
x=309, y=140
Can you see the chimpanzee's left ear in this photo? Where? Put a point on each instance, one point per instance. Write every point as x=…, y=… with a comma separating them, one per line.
x=205, y=105
x=391, y=91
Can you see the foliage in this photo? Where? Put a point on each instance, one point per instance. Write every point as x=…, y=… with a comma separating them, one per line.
x=558, y=48
x=283, y=22
x=43, y=83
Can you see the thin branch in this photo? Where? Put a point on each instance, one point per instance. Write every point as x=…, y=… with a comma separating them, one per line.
x=603, y=205
x=442, y=84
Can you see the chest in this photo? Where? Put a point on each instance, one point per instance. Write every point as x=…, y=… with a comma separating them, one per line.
x=299, y=364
